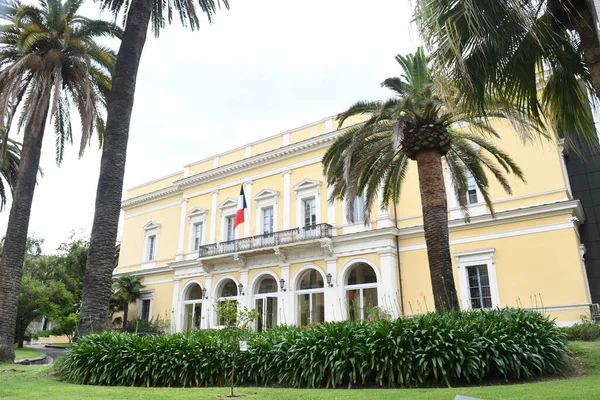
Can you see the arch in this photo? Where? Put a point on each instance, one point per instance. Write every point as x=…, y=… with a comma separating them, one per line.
x=258, y=278
x=188, y=287
x=296, y=278
x=346, y=269
x=217, y=286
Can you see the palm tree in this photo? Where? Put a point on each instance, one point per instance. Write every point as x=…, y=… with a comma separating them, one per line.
x=9, y=169
x=97, y=284
x=127, y=289
x=416, y=125
x=512, y=49
x=49, y=63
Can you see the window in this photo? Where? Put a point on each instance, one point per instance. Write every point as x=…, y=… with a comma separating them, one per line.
x=150, y=248
x=311, y=298
x=265, y=303
x=227, y=291
x=194, y=300
x=470, y=196
x=361, y=291
x=268, y=220
x=229, y=222
x=480, y=294
x=359, y=208
x=198, y=235
x=310, y=212
x=146, y=310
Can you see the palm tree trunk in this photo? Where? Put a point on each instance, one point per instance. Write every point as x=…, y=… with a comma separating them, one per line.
x=125, y=314
x=15, y=241
x=435, y=225
x=588, y=33
x=98, y=272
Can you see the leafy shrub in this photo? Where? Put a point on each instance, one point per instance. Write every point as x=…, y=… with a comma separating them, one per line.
x=586, y=330
x=436, y=348
x=154, y=325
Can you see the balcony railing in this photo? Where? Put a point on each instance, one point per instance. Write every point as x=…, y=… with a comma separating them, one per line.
x=266, y=240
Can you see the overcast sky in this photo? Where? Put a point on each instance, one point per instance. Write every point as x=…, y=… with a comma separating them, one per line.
x=263, y=67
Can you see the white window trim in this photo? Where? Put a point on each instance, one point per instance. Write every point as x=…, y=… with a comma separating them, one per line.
x=472, y=258
x=295, y=292
x=456, y=212
x=264, y=199
x=228, y=209
x=306, y=189
x=150, y=229
x=217, y=298
x=353, y=227
x=146, y=295
x=195, y=216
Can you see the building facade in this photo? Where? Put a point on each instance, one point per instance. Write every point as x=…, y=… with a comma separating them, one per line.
x=297, y=260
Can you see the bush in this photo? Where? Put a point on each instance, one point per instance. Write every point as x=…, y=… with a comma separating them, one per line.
x=586, y=330
x=158, y=325
x=436, y=348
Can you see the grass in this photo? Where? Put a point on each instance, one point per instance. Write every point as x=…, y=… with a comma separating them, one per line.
x=26, y=352
x=17, y=381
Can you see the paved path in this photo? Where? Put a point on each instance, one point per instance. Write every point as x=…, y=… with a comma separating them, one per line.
x=52, y=353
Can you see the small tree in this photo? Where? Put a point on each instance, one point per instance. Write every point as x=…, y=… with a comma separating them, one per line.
x=67, y=326
x=238, y=320
x=127, y=289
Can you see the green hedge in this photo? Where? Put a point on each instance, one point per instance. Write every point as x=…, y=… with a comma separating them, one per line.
x=437, y=348
x=585, y=330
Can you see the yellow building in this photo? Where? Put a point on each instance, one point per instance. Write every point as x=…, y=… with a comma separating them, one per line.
x=297, y=260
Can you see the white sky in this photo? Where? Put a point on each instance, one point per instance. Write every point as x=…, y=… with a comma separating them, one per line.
x=263, y=67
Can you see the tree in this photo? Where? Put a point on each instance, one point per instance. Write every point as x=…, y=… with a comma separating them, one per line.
x=67, y=326
x=512, y=49
x=9, y=168
x=98, y=278
x=49, y=62
x=127, y=289
x=416, y=125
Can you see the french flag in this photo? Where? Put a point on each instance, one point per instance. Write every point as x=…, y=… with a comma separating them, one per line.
x=241, y=208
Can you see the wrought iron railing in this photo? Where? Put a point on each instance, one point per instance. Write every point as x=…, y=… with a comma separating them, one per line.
x=266, y=240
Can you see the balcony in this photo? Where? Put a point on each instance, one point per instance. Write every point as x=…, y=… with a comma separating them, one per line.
x=267, y=240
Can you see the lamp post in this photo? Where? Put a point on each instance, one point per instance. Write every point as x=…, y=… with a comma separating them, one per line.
x=329, y=277
x=204, y=296
x=241, y=289
x=282, y=284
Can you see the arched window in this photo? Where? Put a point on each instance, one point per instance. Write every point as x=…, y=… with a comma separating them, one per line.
x=228, y=291
x=361, y=291
x=265, y=303
x=311, y=298
x=194, y=300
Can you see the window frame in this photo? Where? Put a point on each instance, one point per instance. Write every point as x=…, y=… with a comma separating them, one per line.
x=299, y=292
x=146, y=295
x=266, y=198
x=195, y=217
x=360, y=287
x=473, y=258
x=307, y=189
x=151, y=230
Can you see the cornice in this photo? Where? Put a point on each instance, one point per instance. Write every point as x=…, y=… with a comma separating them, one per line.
x=150, y=197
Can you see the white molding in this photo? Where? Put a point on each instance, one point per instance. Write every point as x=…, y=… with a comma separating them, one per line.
x=151, y=197
x=248, y=151
x=158, y=281
x=329, y=125
x=216, y=162
x=286, y=199
x=193, y=220
x=150, y=225
x=266, y=194
x=307, y=184
x=141, y=185
x=179, y=257
x=196, y=211
x=248, y=210
x=213, y=216
x=286, y=139
x=264, y=199
x=152, y=209
x=470, y=259
x=499, y=235
x=306, y=189
x=228, y=203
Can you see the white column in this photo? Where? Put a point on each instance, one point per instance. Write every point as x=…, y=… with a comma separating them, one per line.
x=177, y=314
x=330, y=210
x=384, y=220
x=388, y=290
x=248, y=151
x=286, y=315
x=245, y=299
x=182, y=221
x=248, y=194
x=287, y=188
x=286, y=138
x=562, y=153
x=208, y=303
x=332, y=294
x=329, y=125
x=213, y=217
x=216, y=162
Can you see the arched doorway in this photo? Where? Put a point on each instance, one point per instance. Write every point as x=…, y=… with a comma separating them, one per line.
x=265, y=303
x=193, y=302
x=361, y=291
x=227, y=290
x=311, y=298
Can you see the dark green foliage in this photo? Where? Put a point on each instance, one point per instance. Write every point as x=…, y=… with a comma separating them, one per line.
x=436, y=348
x=585, y=330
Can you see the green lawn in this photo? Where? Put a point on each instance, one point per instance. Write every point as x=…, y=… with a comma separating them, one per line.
x=26, y=352
x=34, y=381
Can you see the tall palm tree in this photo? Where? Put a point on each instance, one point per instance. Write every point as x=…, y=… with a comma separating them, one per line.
x=512, y=49
x=127, y=289
x=95, y=314
x=49, y=64
x=9, y=168
x=416, y=125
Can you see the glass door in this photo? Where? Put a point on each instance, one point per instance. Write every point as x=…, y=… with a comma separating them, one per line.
x=267, y=312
